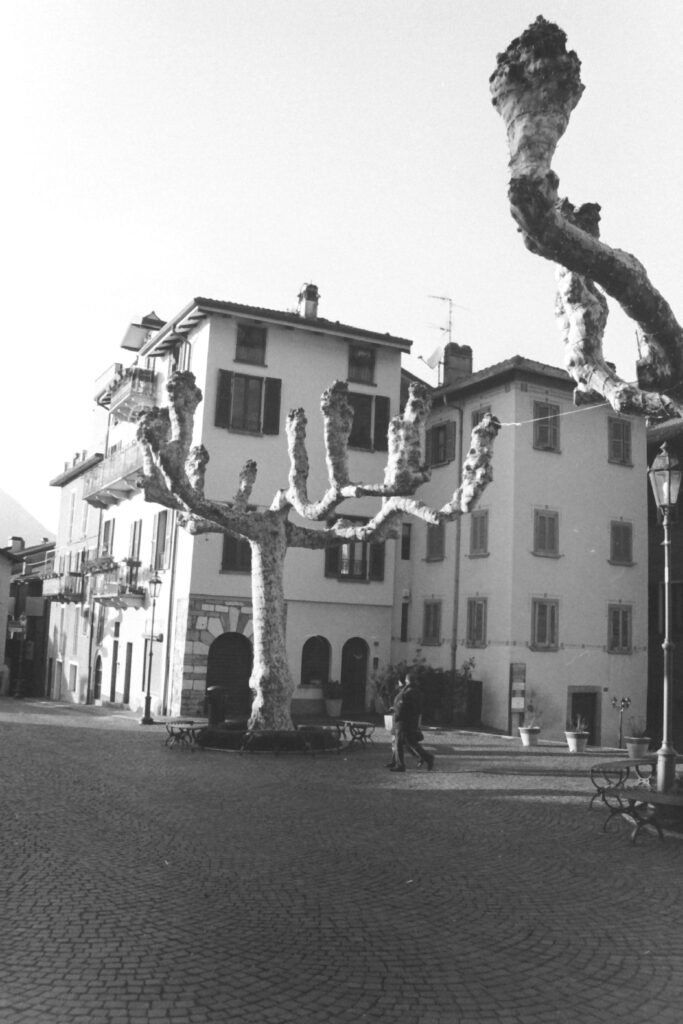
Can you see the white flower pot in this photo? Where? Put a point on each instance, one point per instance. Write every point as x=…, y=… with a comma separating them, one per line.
x=576, y=741
x=529, y=735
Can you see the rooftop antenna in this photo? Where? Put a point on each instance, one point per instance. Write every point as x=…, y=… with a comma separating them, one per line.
x=448, y=329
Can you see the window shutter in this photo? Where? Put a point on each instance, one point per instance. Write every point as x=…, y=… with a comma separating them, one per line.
x=429, y=444
x=381, y=423
x=332, y=561
x=377, y=561
x=360, y=436
x=450, y=441
x=155, y=530
x=271, y=406
x=223, y=399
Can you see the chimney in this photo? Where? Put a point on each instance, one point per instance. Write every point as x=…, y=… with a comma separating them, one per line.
x=16, y=544
x=309, y=295
x=457, y=363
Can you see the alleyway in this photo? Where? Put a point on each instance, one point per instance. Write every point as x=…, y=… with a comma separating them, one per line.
x=141, y=884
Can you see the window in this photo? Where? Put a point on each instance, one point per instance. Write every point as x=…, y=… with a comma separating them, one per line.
x=544, y=624
x=476, y=622
x=440, y=444
x=405, y=611
x=546, y=427
x=251, y=344
x=621, y=543
x=619, y=441
x=431, y=625
x=99, y=634
x=362, y=364
x=370, y=421
x=160, y=541
x=436, y=541
x=479, y=533
x=406, y=530
x=248, y=403
x=619, y=630
x=315, y=661
x=355, y=560
x=236, y=554
x=478, y=415
x=134, y=541
x=108, y=537
x=546, y=532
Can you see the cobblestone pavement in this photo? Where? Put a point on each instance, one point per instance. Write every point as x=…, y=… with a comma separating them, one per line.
x=145, y=884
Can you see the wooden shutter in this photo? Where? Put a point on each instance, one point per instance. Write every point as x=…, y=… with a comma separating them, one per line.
x=429, y=445
x=382, y=409
x=377, y=561
x=223, y=399
x=361, y=435
x=271, y=406
x=450, y=440
x=332, y=561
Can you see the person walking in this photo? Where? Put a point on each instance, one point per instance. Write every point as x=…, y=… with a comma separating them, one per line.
x=407, y=711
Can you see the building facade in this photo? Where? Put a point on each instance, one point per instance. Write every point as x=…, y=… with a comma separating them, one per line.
x=545, y=583
x=252, y=365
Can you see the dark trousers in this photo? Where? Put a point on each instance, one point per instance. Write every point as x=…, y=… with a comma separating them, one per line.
x=405, y=737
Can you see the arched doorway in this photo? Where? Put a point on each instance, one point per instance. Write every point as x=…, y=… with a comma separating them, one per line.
x=354, y=675
x=229, y=666
x=315, y=661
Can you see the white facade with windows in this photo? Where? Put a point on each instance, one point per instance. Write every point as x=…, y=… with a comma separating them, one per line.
x=252, y=365
x=546, y=582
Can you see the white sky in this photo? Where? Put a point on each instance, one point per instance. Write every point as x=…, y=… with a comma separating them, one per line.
x=160, y=150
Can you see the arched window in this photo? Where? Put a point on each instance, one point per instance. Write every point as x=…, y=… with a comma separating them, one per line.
x=315, y=661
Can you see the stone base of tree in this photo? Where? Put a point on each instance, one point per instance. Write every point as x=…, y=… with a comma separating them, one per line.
x=309, y=739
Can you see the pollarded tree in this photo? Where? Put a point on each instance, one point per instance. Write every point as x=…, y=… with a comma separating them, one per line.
x=174, y=476
x=535, y=87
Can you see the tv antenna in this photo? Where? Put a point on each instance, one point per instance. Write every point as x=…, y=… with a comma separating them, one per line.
x=448, y=329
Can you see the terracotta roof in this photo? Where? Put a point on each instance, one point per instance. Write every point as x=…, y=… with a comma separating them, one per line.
x=507, y=368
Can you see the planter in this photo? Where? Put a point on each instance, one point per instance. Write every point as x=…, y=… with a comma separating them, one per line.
x=333, y=707
x=637, y=746
x=529, y=735
x=388, y=722
x=577, y=741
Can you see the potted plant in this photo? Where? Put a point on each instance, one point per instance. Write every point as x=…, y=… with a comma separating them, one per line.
x=333, y=697
x=577, y=735
x=637, y=742
x=530, y=730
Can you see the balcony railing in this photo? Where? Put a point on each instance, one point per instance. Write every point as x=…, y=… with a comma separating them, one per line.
x=68, y=586
x=114, y=479
x=119, y=586
x=126, y=391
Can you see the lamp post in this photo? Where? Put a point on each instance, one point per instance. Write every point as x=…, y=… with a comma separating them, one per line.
x=154, y=586
x=621, y=706
x=665, y=478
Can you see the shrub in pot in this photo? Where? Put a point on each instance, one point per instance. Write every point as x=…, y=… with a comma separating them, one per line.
x=577, y=735
x=637, y=742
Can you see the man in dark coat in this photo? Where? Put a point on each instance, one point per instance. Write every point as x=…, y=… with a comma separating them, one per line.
x=407, y=711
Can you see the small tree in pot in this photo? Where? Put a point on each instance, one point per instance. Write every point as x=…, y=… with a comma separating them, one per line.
x=577, y=735
x=530, y=730
x=638, y=740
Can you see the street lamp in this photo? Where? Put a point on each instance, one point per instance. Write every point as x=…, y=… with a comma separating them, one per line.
x=665, y=478
x=154, y=586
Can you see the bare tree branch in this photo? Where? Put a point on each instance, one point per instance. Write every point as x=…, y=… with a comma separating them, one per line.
x=535, y=87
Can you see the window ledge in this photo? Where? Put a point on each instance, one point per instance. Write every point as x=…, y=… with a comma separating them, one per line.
x=431, y=643
x=622, y=565
x=365, y=383
x=250, y=362
x=553, y=451
x=543, y=650
x=619, y=462
x=478, y=554
x=545, y=554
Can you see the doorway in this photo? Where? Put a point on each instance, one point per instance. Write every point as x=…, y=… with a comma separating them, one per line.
x=229, y=666
x=354, y=672
x=584, y=703
x=127, y=673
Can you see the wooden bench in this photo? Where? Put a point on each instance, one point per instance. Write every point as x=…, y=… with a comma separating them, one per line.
x=641, y=804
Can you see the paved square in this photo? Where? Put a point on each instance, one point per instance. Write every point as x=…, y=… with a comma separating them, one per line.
x=144, y=884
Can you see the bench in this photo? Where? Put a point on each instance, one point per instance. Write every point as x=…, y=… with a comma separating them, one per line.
x=640, y=804
x=614, y=774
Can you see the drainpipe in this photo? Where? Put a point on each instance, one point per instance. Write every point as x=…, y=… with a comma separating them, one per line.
x=458, y=537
